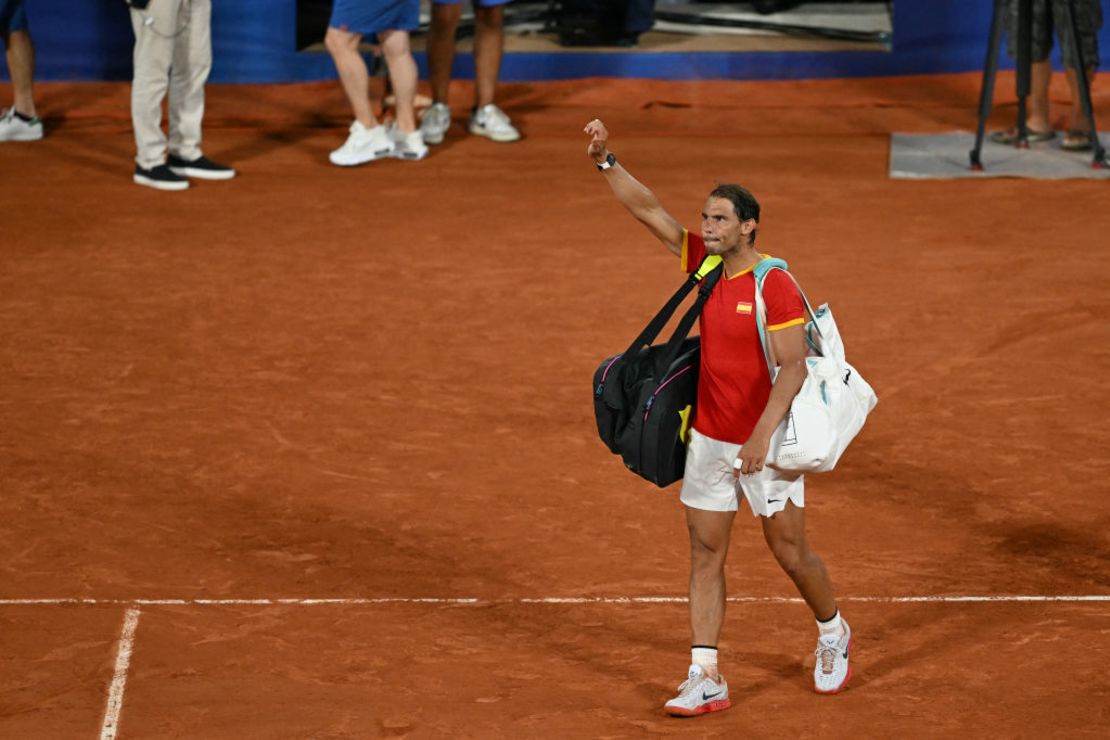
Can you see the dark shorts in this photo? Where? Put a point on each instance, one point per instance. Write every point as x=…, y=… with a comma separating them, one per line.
x=372, y=16
x=1050, y=15
x=12, y=16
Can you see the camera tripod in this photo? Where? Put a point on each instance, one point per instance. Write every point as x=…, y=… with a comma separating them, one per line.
x=1024, y=64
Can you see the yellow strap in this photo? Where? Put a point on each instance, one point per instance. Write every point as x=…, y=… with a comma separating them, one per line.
x=708, y=265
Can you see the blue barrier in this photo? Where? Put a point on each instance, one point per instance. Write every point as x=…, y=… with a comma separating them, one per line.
x=254, y=41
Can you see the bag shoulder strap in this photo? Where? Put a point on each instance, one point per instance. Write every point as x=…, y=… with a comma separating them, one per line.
x=708, y=273
x=761, y=270
x=708, y=264
x=766, y=265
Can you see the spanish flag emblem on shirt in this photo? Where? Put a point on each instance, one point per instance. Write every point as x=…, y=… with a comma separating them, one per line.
x=744, y=308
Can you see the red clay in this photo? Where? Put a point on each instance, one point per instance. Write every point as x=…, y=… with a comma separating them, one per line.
x=309, y=382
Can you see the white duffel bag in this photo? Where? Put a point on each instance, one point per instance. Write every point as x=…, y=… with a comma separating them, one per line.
x=834, y=400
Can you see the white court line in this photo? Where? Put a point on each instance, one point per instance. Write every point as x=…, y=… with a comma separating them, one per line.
x=549, y=600
x=797, y=600
x=110, y=727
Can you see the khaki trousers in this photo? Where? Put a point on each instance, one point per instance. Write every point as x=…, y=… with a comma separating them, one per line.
x=173, y=51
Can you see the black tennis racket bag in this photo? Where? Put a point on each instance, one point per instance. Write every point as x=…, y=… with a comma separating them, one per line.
x=644, y=398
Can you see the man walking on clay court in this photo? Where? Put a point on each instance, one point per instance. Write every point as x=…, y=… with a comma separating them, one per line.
x=738, y=409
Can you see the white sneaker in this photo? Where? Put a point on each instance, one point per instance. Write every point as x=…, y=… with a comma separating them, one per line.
x=699, y=694
x=14, y=128
x=362, y=146
x=434, y=122
x=832, y=671
x=491, y=122
x=408, y=146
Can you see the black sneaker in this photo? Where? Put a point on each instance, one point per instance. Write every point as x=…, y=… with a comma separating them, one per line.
x=160, y=177
x=201, y=168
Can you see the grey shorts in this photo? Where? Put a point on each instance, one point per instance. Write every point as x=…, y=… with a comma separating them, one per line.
x=1050, y=15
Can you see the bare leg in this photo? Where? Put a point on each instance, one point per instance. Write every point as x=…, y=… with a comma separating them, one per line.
x=21, y=67
x=785, y=533
x=355, y=78
x=709, y=538
x=441, y=48
x=489, y=39
x=1077, y=121
x=403, y=75
x=1038, y=117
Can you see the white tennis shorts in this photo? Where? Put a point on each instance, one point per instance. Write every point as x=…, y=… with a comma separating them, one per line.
x=708, y=482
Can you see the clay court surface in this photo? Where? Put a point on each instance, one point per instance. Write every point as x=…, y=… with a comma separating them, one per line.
x=372, y=386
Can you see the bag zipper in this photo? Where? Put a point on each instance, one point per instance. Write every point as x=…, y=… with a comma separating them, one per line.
x=601, y=386
x=651, y=401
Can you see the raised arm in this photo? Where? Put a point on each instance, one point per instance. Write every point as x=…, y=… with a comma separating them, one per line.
x=632, y=194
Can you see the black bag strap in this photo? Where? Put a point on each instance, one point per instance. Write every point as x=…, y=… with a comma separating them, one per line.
x=651, y=331
x=687, y=322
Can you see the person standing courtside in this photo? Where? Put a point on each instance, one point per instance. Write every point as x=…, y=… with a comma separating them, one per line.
x=486, y=119
x=738, y=409
x=1049, y=17
x=20, y=122
x=391, y=21
x=173, y=53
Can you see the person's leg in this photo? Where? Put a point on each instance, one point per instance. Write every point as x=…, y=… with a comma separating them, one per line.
x=153, y=56
x=710, y=497
x=487, y=119
x=786, y=536
x=403, y=74
x=1088, y=20
x=1037, y=118
x=19, y=122
x=192, y=61
x=709, y=538
x=441, y=48
x=704, y=689
x=1076, y=120
x=489, y=41
x=21, y=67
x=353, y=75
x=1037, y=122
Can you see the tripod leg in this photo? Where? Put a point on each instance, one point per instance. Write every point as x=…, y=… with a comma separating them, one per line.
x=1024, y=68
x=1083, y=85
x=986, y=90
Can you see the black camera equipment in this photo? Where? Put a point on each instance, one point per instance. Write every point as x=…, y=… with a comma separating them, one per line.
x=1024, y=66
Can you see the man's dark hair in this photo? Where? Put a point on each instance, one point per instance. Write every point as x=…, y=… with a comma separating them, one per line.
x=743, y=202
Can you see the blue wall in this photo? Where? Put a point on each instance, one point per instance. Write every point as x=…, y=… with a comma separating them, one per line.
x=254, y=41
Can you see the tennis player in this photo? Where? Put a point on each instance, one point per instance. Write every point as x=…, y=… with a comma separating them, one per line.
x=737, y=411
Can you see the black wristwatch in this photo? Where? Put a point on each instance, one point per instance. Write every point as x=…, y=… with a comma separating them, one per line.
x=609, y=162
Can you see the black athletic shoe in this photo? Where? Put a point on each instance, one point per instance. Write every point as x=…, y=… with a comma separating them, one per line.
x=160, y=177
x=201, y=168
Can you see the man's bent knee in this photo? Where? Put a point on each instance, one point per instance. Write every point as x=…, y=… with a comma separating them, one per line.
x=708, y=553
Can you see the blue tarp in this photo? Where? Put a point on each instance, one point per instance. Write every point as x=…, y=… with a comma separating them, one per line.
x=254, y=41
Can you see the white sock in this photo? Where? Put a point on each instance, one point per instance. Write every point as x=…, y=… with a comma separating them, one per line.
x=834, y=626
x=706, y=657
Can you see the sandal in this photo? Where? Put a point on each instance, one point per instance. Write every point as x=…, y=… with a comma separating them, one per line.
x=1010, y=136
x=1077, y=140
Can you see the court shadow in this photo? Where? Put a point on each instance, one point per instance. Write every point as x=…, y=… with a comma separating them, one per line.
x=267, y=142
x=1078, y=555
